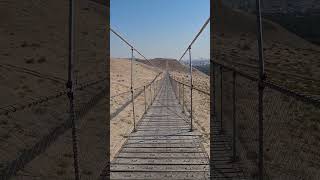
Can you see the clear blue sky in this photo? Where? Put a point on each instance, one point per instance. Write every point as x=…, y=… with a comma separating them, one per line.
x=160, y=28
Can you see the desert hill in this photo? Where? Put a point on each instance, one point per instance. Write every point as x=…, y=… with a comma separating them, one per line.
x=167, y=64
x=289, y=59
x=122, y=123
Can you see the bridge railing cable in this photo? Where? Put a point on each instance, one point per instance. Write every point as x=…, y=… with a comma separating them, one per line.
x=131, y=46
x=132, y=50
x=191, y=88
x=141, y=96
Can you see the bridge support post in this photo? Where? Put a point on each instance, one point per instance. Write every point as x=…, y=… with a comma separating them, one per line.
x=132, y=93
x=221, y=98
x=191, y=87
x=145, y=99
x=180, y=93
x=260, y=89
x=234, y=113
x=178, y=87
x=151, y=93
x=182, y=98
x=70, y=87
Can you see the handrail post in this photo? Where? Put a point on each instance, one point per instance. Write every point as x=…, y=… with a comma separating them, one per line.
x=182, y=98
x=221, y=98
x=191, y=87
x=178, y=89
x=151, y=87
x=150, y=93
x=180, y=92
x=154, y=90
x=157, y=86
x=145, y=99
x=260, y=87
x=132, y=93
x=71, y=88
x=234, y=110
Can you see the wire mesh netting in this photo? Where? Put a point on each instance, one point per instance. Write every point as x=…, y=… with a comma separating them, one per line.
x=240, y=120
x=291, y=137
x=291, y=62
x=247, y=124
x=290, y=125
x=290, y=129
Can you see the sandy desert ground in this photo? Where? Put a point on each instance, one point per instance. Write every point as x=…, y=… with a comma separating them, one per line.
x=36, y=57
x=34, y=61
x=201, y=102
x=122, y=124
x=289, y=59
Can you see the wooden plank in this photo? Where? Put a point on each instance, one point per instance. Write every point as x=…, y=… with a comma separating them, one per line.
x=164, y=148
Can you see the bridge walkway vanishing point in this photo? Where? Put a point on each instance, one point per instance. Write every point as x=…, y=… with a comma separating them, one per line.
x=162, y=146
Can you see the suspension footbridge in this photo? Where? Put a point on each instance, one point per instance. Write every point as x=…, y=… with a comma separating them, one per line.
x=258, y=129
x=162, y=145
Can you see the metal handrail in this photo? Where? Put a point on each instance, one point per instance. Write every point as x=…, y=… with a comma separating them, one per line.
x=270, y=84
x=202, y=91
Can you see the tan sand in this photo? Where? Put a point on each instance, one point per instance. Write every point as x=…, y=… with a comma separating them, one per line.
x=201, y=103
x=122, y=124
x=34, y=61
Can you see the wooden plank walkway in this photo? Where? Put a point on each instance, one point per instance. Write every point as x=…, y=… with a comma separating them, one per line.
x=162, y=147
x=223, y=166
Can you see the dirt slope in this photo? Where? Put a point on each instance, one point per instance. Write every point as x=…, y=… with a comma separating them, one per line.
x=122, y=124
x=289, y=59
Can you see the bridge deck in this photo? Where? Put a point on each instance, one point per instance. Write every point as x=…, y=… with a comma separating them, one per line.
x=163, y=148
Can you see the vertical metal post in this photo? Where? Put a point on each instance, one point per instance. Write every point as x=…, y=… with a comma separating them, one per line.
x=234, y=125
x=71, y=87
x=132, y=93
x=145, y=99
x=182, y=98
x=221, y=98
x=213, y=8
x=157, y=86
x=180, y=92
x=175, y=86
x=150, y=93
x=178, y=87
x=154, y=91
x=261, y=86
x=191, y=87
